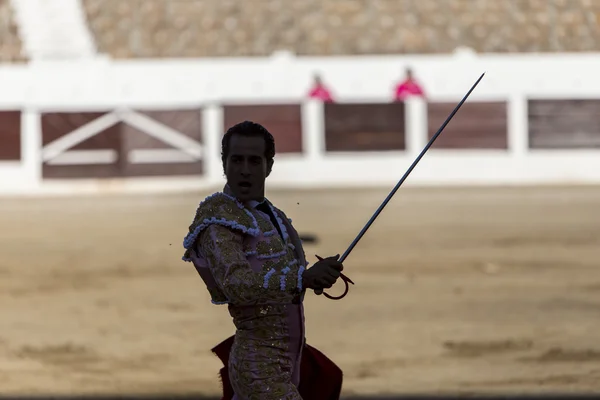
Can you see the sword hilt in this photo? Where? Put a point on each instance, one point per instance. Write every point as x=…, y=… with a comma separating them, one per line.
x=346, y=289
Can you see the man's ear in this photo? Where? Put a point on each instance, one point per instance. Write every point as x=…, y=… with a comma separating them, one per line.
x=269, y=166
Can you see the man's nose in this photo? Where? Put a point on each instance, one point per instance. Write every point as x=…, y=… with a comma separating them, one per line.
x=245, y=169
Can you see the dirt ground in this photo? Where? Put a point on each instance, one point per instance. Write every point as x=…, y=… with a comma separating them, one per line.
x=457, y=290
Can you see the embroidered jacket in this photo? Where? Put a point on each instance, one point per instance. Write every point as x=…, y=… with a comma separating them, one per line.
x=245, y=263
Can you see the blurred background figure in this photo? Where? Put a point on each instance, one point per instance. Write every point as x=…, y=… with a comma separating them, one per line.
x=319, y=90
x=408, y=87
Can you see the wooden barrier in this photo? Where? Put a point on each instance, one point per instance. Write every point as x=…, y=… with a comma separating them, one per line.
x=364, y=127
x=284, y=121
x=10, y=135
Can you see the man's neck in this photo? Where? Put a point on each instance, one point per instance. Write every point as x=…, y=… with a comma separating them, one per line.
x=227, y=190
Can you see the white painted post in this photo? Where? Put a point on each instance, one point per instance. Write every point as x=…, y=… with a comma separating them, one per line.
x=31, y=150
x=518, y=125
x=313, y=130
x=416, y=125
x=212, y=132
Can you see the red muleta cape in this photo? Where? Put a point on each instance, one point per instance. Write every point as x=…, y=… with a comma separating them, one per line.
x=320, y=378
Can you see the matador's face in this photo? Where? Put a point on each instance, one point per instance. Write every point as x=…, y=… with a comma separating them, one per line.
x=246, y=167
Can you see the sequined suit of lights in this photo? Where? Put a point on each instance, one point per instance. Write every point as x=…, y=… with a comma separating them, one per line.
x=248, y=265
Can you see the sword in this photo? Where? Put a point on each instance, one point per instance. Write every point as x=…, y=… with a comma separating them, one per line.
x=344, y=278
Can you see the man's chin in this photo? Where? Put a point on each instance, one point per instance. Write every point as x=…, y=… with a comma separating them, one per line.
x=245, y=195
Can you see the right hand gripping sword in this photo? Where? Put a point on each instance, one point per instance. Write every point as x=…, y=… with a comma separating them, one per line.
x=389, y=197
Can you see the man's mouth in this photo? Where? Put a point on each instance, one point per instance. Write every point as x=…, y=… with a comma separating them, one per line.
x=245, y=184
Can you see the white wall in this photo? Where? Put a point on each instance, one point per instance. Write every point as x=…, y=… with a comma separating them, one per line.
x=105, y=84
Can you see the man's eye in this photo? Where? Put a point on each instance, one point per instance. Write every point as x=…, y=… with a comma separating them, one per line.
x=256, y=161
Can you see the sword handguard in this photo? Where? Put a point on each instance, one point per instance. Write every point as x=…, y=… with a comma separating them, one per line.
x=346, y=281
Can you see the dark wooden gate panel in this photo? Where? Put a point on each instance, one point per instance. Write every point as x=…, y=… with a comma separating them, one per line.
x=58, y=124
x=364, y=127
x=477, y=125
x=284, y=121
x=186, y=122
x=122, y=138
x=10, y=135
x=564, y=124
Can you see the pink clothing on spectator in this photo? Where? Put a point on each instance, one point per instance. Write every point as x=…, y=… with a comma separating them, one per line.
x=320, y=92
x=408, y=88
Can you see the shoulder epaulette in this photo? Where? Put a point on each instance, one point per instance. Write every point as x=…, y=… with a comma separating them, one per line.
x=220, y=209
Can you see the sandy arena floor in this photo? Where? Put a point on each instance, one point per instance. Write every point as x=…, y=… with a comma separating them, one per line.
x=457, y=290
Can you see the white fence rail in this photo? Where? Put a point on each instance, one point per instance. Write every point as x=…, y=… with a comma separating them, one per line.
x=106, y=85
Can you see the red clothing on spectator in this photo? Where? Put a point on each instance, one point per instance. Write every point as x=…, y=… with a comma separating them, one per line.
x=408, y=88
x=320, y=92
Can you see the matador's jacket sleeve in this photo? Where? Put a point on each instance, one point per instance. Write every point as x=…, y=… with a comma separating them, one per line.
x=223, y=249
x=215, y=244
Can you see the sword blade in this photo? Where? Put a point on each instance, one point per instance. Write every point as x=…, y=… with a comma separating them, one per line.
x=407, y=173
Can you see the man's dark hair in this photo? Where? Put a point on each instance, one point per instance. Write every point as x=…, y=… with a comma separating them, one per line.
x=249, y=128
